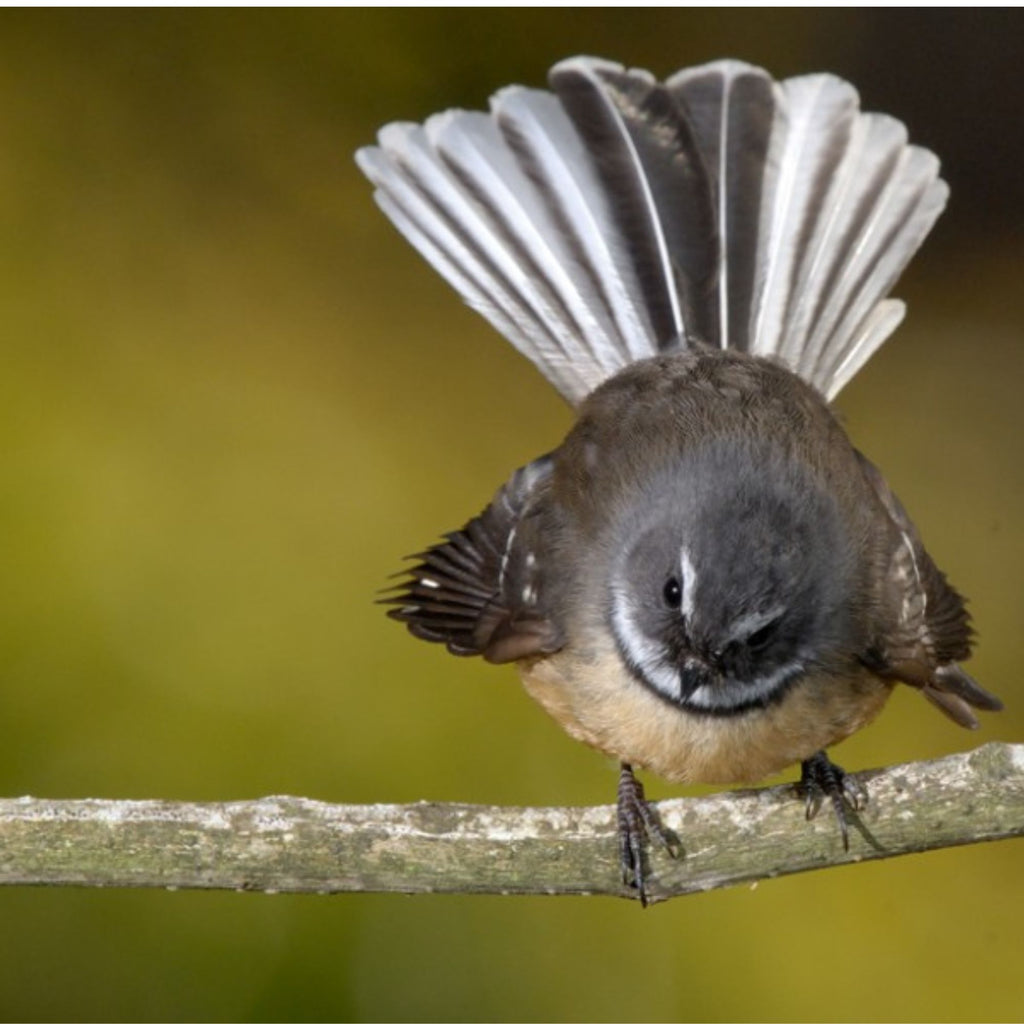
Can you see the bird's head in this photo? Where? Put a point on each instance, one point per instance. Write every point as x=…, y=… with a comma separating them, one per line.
x=732, y=577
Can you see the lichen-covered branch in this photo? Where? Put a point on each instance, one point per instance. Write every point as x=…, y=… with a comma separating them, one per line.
x=290, y=844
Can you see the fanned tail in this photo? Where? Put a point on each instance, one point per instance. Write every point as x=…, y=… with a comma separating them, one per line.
x=618, y=217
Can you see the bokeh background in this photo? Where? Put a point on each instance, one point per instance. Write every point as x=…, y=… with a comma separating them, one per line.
x=232, y=398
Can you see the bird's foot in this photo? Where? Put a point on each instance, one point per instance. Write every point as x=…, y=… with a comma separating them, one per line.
x=820, y=778
x=637, y=822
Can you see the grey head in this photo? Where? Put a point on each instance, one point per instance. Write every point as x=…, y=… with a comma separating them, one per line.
x=733, y=577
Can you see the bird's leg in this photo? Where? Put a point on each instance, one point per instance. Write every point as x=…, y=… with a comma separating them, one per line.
x=820, y=778
x=636, y=821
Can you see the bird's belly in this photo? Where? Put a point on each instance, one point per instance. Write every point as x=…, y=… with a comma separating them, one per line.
x=597, y=701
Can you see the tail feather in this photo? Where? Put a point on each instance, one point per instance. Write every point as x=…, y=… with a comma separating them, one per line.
x=813, y=122
x=731, y=106
x=410, y=175
x=445, y=251
x=538, y=131
x=605, y=133
x=618, y=217
x=649, y=161
x=877, y=326
x=860, y=178
x=905, y=213
x=471, y=147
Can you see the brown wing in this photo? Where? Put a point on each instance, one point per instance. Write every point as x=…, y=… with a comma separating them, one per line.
x=480, y=591
x=932, y=630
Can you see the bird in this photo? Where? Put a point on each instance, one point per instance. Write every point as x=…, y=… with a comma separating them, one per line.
x=705, y=579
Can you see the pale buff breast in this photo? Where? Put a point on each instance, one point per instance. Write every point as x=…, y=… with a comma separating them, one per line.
x=599, y=702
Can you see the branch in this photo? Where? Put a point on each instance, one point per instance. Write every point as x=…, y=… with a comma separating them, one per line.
x=290, y=844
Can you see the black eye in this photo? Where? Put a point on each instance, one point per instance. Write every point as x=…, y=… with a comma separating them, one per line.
x=672, y=593
x=761, y=638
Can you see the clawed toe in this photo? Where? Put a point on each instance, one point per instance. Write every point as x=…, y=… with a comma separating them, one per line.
x=820, y=778
x=637, y=822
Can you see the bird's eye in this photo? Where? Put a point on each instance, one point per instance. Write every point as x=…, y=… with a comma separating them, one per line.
x=761, y=638
x=672, y=593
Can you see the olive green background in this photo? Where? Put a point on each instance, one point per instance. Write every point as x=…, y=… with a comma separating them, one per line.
x=232, y=398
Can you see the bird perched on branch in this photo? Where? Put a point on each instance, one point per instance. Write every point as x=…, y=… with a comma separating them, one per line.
x=705, y=578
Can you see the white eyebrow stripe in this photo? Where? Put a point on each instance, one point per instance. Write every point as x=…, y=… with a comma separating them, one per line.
x=688, y=582
x=750, y=623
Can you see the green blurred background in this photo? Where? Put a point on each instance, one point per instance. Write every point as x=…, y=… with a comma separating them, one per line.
x=232, y=398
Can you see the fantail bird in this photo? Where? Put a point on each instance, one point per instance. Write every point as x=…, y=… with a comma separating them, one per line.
x=705, y=579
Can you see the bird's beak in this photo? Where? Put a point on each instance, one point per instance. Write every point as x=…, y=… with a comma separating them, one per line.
x=692, y=675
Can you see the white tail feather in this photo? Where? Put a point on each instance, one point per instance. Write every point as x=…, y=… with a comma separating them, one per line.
x=523, y=211
x=471, y=147
x=874, y=146
x=906, y=211
x=536, y=126
x=813, y=119
x=877, y=326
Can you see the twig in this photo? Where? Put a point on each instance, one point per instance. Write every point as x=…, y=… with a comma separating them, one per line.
x=290, y=844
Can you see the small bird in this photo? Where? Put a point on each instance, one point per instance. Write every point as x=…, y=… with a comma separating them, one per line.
x=705, y=579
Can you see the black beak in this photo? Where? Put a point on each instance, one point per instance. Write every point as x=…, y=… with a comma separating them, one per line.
x=692, y=675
